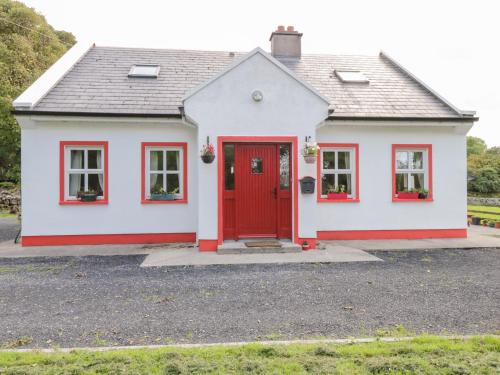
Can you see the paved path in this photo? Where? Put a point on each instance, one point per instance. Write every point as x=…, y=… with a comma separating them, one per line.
x=188, y=257
x=111, y=300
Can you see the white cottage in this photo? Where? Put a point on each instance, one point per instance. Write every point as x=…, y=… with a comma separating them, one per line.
x=111, y=141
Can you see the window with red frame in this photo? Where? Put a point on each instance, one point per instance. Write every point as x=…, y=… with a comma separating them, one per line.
x=83, y=169
x=412, y=172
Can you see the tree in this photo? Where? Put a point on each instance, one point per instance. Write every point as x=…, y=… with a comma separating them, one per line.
x=483, y=166
x=28, y=47
x=475, y=146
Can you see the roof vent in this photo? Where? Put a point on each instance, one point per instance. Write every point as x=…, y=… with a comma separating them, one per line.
x=351, y=76
x=144, y=71
x=286, y=43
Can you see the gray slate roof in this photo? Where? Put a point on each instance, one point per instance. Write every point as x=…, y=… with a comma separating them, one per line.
x=99, y=83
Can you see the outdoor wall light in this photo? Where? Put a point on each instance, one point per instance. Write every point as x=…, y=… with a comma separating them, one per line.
x=257, y=96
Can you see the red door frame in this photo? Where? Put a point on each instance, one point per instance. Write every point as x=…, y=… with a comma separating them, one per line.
x=220, y=177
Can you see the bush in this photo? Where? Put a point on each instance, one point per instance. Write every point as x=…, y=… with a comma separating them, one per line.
x=486, y=180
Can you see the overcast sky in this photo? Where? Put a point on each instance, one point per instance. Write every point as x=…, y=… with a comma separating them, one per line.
x=451, y=44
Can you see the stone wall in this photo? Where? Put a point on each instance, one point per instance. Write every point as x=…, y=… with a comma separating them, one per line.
x=10, y=200
x=480, y=201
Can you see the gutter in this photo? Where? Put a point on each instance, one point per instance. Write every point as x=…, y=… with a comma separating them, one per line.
x=94, y=114
x=470, y=115
x=406, y=118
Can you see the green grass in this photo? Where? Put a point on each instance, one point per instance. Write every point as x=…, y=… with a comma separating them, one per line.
x=484, y=212
x=422, y=355
x=7, y=214
x=490, y=209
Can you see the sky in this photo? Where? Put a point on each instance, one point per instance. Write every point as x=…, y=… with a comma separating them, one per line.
x=452, y=45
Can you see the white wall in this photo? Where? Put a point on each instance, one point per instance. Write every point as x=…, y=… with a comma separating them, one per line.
x=376, y=211
x=225, y=107
x=41, y=212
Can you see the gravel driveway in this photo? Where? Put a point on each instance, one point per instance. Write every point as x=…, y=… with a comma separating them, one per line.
x=111, y=300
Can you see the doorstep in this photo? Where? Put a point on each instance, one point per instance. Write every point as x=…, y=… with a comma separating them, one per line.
x=239, y=247
x=193, y=257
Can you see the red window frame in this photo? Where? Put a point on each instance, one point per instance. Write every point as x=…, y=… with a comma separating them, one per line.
x=62, y=147
x=182, y=145
x=354, y=146
x=427, y=147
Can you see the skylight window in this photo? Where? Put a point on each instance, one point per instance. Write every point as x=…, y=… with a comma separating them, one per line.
x=144, y=71
x=351, y=76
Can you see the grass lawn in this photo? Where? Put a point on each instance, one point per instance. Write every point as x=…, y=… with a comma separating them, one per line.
x=7, y=214
x=484, y=212
x=422, y=355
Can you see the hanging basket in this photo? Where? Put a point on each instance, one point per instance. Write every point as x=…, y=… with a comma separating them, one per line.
x=208, y=159
x=310, y=159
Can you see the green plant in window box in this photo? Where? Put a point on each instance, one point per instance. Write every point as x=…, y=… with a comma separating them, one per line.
x=423, y=193
x=159, y=194
x=336, y=192
x=87, y=195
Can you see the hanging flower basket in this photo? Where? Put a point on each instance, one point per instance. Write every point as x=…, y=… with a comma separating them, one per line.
x=310, y=159
x=310, y=152
x=208, y=153
x=208, y=159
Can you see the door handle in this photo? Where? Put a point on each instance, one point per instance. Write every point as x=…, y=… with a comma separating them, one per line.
x=275, y=193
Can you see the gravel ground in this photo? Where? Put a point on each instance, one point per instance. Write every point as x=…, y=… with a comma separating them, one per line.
x=9, y=226
x=112, y=301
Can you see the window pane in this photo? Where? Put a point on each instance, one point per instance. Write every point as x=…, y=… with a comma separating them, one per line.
x=96, y=183
x=417, y=158
x=173, y=160
x=229, y=167
x=345, y=180
x=155, y=182
x=326, y=181
x=284, y=167
x=256, y=165
x=76, y=183
x=156, y=160
x=344, y=160
x=94, y=161
x=402, y=160
x=328, y=160
x=77, y=159
x=401, y=181
x=173, y=183
x=418, y=180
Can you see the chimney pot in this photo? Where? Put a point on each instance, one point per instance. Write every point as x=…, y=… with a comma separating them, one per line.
x=290, y=29
x=280, y=29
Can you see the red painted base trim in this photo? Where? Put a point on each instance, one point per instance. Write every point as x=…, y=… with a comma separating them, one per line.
x=311, y=243
x=391, y=234
x=208, y=245
x=106, y=239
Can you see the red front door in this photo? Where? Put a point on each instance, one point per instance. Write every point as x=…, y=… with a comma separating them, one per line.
x=257, y=199
x=256, y=190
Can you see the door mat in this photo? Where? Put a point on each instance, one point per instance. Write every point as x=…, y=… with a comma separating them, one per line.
x=263, y=243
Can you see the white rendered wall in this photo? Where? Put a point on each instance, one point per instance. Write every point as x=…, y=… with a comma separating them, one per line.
x=225, y=107
x=377, y=211
x=41, y=212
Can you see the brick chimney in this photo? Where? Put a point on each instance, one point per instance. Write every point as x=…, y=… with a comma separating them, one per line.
x=285, y=43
